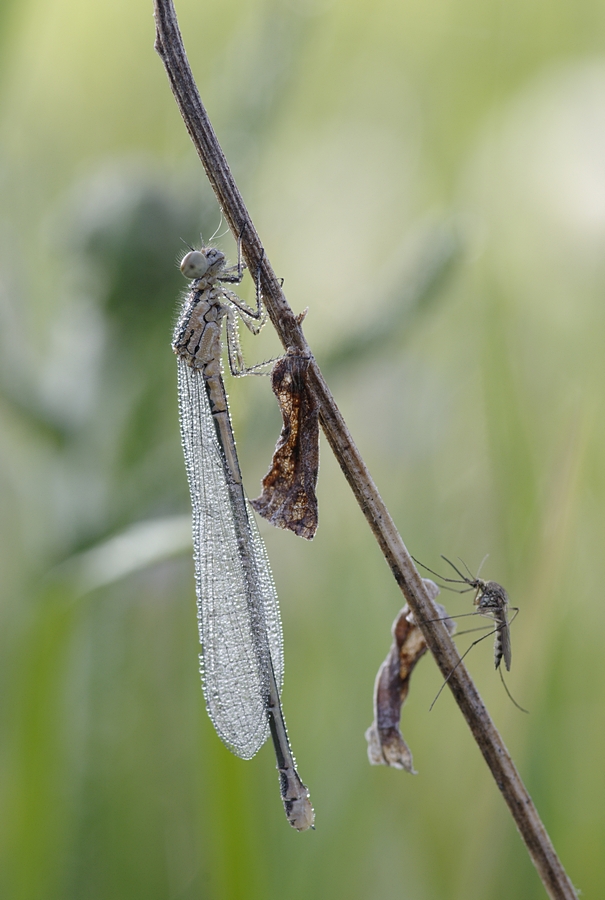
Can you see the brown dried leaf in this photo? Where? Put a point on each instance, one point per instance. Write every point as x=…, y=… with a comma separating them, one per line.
x=288, y=499
x=386, y=746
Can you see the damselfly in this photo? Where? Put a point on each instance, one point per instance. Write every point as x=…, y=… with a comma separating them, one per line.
x=238, y=613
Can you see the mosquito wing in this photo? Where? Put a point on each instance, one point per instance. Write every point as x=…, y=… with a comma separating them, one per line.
x=503, y=646
x=233, y=658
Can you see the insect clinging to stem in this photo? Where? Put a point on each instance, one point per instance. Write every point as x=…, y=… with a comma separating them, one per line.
x=491, y=601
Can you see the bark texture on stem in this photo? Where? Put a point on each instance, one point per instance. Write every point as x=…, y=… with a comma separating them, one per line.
x=169, y=45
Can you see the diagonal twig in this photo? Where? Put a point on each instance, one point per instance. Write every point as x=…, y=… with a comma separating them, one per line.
x=169, y=45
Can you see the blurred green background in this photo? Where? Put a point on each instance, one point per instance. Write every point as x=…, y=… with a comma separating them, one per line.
x=429, y=179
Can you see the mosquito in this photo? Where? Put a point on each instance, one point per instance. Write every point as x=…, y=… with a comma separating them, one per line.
x=238, y=612
x=491, y=601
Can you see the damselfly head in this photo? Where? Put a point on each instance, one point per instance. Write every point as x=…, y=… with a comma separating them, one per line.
x=197, y=263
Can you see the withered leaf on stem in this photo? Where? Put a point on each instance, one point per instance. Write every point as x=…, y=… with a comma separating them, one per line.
x=288, y=499
x=386, y=746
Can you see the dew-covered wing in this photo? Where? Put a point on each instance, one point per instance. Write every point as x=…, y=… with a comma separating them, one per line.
x=233, y=614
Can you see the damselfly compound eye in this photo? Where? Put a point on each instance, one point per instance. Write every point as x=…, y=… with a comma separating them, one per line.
x=195, y=264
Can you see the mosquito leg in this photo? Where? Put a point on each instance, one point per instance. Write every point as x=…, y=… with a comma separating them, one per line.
x=510, y=696
x=466, y=652
x=443, y=578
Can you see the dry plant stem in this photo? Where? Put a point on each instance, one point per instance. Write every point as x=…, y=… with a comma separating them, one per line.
x=170, y=47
